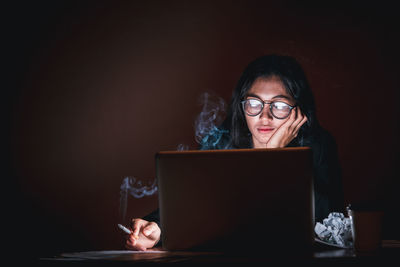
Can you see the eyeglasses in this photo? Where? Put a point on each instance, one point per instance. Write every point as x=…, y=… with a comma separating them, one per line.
x=279, y=110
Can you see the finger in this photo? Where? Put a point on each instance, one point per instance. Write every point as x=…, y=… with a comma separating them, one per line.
x=303, y=120
x=149, y=229
x=290, y=119
x=130, y=244
x=133, y=244
x=131, y=240
x=134, y=247
x=136, y=227
x=291, y=122
x=293, y=115
x=299, y=115
x=295, y=125
x=140, y=248
x=299, y=118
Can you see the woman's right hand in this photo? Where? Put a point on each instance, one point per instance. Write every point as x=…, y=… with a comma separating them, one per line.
x=288, y=130
x=144, y=235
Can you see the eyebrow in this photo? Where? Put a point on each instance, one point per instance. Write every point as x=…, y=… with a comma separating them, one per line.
x=275, y=97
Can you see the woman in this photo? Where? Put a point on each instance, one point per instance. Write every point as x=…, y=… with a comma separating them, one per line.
x=272, y=106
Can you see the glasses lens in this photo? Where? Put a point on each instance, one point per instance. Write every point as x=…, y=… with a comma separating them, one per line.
x=253, y=106
x=280, y=109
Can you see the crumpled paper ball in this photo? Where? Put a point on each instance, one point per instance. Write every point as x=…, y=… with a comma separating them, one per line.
x=336, y=229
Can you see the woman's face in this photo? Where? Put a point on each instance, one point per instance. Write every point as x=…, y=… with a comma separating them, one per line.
x=264, y=125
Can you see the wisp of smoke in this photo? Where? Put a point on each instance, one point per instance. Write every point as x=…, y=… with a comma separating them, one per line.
x=134, y=187
x=211, y=115
x=206, y=130
x=182, y=147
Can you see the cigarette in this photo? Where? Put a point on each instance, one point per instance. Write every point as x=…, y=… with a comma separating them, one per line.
x=123, y=228
x=126, y=230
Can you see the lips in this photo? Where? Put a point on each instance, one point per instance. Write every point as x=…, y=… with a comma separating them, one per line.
x=265, y=129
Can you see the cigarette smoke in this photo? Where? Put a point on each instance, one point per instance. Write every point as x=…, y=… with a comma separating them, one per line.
x=212, y=114
x=136, y=188
x=182, y=147
x=206, y=130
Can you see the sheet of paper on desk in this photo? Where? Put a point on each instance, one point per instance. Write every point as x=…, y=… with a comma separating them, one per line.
x=106, y=254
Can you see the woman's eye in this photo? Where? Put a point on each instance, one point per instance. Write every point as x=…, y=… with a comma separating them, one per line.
x=254, y=103
x=280, y=105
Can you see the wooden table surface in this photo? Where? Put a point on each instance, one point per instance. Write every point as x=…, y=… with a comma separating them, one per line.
x=321, y=255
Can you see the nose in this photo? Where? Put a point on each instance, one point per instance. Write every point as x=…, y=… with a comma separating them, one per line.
x=266, y=113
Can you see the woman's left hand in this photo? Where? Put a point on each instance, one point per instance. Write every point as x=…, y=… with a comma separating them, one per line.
x=288, y=130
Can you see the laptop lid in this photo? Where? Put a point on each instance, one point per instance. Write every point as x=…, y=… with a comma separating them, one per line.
x=225, y=200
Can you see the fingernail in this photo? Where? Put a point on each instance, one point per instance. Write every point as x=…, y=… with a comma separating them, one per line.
x=146, y=232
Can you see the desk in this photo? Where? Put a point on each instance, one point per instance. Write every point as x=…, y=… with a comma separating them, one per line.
x=320, y=256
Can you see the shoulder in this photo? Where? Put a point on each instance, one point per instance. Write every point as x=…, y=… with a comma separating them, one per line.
x=324, y=137
x=324, y=145
x=321, y=137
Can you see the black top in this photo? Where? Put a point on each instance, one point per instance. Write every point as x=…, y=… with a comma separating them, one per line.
x=328, y=187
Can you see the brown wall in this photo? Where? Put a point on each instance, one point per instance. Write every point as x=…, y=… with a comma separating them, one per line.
x=83, y=72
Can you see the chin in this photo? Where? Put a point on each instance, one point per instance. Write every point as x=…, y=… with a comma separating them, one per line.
x=263, y=139
x=262, y=142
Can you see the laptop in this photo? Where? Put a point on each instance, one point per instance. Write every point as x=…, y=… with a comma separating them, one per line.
x=236, y=199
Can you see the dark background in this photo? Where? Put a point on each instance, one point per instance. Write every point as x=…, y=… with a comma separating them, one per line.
x=93, y=89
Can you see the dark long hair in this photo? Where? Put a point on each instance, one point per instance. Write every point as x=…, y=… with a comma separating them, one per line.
x=291, y=74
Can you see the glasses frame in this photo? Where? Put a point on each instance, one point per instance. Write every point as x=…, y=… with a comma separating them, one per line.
x=270, y=108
